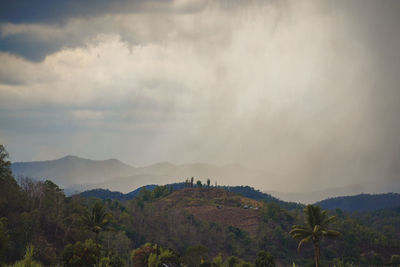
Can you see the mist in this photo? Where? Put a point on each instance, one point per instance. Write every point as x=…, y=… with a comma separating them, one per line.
x=305, y=92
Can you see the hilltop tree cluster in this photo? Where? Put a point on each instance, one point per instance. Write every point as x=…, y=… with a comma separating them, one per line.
x=189, y=183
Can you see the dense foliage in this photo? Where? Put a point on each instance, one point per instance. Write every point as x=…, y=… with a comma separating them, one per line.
x=192, y=226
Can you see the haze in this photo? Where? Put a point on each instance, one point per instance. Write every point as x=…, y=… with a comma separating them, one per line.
x=306, y=91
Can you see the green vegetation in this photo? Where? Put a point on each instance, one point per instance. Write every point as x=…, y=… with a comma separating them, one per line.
x=27, y=261
x=264, y=259
x=316, y=227
x=190, y=226
x=97, y=219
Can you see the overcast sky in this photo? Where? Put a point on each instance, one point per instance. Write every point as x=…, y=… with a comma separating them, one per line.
x=307, y=90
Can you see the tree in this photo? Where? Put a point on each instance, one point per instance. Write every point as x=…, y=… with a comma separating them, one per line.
x=5, y=164
x=28, y=258
x=395, y=260
x=195, y=255
x=160, y=191
x=153, y=255
x=97, y=219
x=117, y=243
x=199, y=184
x=232, y=261
x=315, y=228
x=4, y=237
x=10, y=194
x=217, y=261
x=81, y=254
x=264, y=259
x=191, y=182
x=208, y=183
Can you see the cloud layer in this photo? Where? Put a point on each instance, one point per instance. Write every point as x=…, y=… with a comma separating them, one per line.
x=307, y=91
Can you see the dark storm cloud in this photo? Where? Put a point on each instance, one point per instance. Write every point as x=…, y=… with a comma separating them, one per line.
x=57, y=14
x=49, y=11
x=35, y=48
x=28, y=46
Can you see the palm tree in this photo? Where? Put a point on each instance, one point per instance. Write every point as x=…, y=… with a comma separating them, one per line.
x=315, y=228
x=97, y=219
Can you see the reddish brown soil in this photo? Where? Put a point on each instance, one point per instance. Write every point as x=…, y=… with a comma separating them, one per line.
x=244, y=219
x=203, y=202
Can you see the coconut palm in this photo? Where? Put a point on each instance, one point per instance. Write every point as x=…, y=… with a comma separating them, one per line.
x=97, y=219
x=316, y=227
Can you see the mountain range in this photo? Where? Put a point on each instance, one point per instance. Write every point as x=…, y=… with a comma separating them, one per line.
x=75, y=174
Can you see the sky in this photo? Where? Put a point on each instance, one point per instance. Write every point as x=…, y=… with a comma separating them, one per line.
x=306, y=90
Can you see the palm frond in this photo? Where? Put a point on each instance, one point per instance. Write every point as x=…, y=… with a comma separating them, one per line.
x=329, y=220
x=300, y=231
x=330, y=233
x=303, y=241
x=316, y=229
x=299, y=236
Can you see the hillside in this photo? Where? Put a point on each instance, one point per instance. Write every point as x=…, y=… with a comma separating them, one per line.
x=219, y=220
x=362, y=202
x=245, y=191
x=216, y=205
x=252, y=193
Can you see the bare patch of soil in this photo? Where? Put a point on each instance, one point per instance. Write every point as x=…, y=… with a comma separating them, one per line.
x=244, y=219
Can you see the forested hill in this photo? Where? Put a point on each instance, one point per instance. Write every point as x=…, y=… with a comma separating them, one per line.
x=108, y=194
x=362, y=202
x=245, y=191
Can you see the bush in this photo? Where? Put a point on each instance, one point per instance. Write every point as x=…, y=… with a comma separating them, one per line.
x=28, y=259
x=395, y=260
x=81, y=254
x=264, y=259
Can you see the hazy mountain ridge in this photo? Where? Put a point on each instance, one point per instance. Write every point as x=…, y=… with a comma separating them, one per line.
x=362, y=202
x=72, y=170
x=75, y=174
x=350, y=190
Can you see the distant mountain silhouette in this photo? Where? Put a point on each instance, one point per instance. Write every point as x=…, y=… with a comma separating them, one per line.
x=362, y=202
x=72, y=170
x=75, y=174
